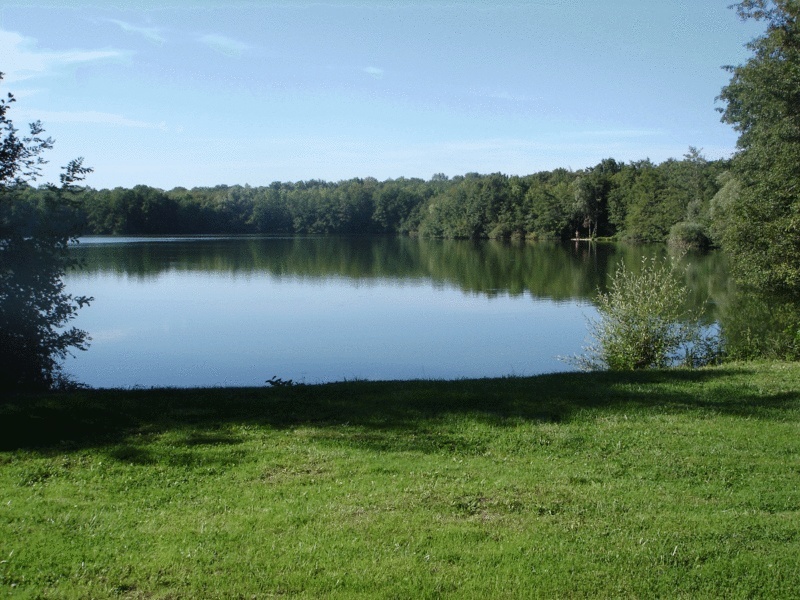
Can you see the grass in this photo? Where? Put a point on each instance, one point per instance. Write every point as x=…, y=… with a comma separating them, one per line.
x=678, y=484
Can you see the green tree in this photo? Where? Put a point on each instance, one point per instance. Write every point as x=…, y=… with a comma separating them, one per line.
x=592, y=189
x=395, y=201
x=270, y=213
x=549, y=209
x=650, y=213
x=692, y=183
x=34, y=255
x=762, y=228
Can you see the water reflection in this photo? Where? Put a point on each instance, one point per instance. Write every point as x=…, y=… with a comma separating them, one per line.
x=236, y=311
x=544, y=270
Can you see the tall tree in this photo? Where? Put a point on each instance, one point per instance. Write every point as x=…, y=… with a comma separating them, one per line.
x=34, y=256
x=762, y=230
x=592, y=189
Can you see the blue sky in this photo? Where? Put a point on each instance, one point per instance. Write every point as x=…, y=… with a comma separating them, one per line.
x=204, y=93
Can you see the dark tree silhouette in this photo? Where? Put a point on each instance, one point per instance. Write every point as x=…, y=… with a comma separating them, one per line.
x=34, y=256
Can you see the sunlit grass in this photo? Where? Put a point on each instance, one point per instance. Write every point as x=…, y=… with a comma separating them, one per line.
x=670, y=484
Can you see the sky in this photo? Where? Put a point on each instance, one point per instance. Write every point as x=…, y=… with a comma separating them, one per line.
x=168, y=93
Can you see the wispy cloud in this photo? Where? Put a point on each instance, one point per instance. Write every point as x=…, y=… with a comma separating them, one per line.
x=516, y=149
x=23, y=60
x=618, y=133
x=152, y=34
x=508, y=96
x=374, y=72
x=224, y=45
x=94, y=117
x=486, y=145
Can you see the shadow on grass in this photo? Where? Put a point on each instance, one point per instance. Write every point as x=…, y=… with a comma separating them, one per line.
x=385, y=413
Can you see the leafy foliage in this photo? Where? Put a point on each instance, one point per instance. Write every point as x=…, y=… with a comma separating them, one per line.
x=645, y=323
x=640, y=201
x=34, y=239
x=762, y=228
x=688, y=235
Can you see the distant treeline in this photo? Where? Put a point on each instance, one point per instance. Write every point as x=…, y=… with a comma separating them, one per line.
x=637, y=201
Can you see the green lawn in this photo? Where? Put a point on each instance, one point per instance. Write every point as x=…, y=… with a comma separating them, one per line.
x=660, y=484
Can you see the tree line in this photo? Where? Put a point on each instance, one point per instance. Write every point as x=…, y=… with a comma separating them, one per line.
x=639, y=201
x=749, y=206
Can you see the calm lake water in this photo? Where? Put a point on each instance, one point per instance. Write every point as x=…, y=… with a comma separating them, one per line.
x=211, y=311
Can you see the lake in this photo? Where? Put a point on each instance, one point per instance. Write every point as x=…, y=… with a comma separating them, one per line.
x=236, y=311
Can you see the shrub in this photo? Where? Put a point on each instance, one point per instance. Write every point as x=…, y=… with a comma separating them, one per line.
x=688, y=235
x=645, y=323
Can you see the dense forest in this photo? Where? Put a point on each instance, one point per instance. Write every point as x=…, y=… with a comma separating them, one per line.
x=638, y=201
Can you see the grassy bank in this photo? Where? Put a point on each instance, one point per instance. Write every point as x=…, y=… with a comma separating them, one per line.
x=671, y=484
